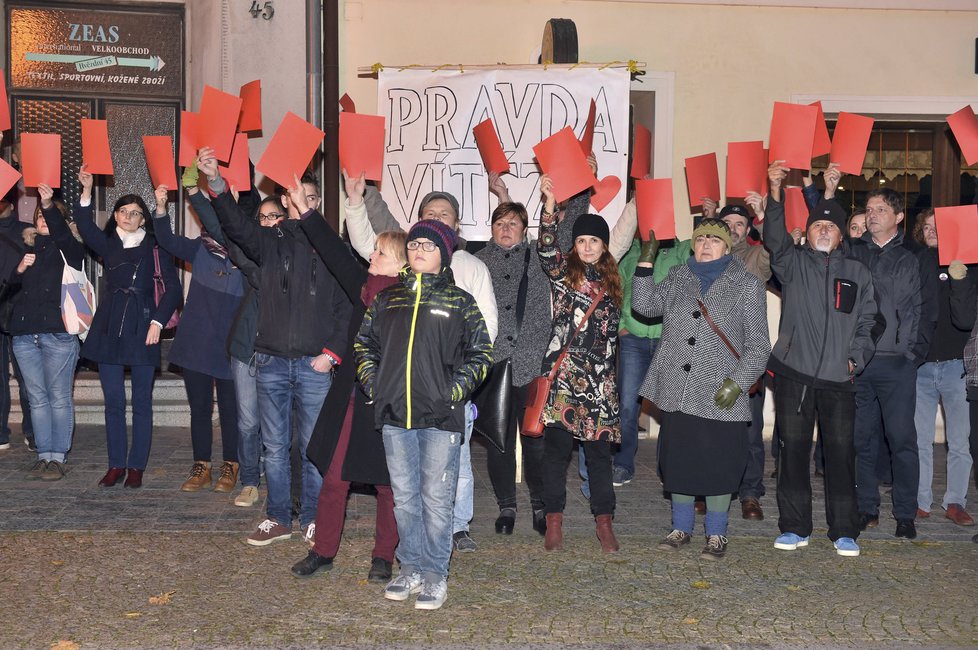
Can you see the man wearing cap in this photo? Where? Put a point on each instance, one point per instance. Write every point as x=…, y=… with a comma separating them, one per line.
x=825, y=340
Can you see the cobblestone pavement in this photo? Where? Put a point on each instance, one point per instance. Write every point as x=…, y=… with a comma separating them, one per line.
x=158, y=568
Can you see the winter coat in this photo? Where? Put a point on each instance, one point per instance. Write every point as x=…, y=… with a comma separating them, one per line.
x=666, y=259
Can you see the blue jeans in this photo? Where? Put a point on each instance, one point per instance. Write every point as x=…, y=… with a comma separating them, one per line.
x=943, y=381
x=423, y=465
x=113, y=380
x=47, y=363
x=249, y=423
x=465, y=489
x=280, y=381
x=634, y=357
x=7, y=360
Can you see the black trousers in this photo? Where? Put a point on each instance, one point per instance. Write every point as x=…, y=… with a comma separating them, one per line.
x=502, y=464
x=973, y=437
x=200, y=395
x=558, y=444
x=798, y=407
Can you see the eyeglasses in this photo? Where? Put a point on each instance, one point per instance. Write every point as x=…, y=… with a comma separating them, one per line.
x=274, y=216
x=426, y=246
x=135, y=214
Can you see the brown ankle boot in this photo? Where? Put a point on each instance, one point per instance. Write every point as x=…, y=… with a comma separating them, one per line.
x=228, y=478
x=553, y=540
x=605, y=534
x=200, y=477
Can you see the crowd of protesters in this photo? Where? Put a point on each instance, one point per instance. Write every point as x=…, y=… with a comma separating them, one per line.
x=379, y=347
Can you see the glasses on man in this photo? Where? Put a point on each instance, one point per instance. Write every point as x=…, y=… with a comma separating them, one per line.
x=426, y=246
x=272, y=216
x=135, y=214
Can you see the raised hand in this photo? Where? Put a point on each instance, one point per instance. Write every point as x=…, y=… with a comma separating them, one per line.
x=832, y=176
x=709, y=208
x=355, y=187
x=297, y=194
x=86, y=180
x=498, y=187
x=161, y=197
x=207, y=163
x=46, y=194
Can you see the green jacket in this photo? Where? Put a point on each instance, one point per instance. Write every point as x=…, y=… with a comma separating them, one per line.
x=665, y=260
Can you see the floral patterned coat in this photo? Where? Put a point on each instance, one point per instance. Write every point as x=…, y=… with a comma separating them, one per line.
x=584, y=396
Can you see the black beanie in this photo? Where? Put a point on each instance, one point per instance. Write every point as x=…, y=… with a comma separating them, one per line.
x=828, y=210
x=594, y=225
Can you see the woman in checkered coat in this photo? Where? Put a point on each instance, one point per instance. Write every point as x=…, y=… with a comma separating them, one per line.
x=698, y=382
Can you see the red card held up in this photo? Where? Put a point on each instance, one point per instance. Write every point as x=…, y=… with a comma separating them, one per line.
x=641, y=152
x=560, y=157
x=487, y=140
x=237, y=172
x=822, y=144
x=653, y=203
x=189, y=127
x=793, y=135
x=362, y=145
x=346, y=103
x=8, y=177
x=963, y=124
x=587, y=138
x=250, y=118
x=795, y=209
x=159, y=160
x=957, y=234
x=849, y=142
x=290, y=150
x=40, y=159
x=95, y=147
x=218, y=121
x=4, y=104
x=702, y=178
x=746, y=169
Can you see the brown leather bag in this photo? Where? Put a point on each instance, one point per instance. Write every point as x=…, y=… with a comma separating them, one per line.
x=538, y=392
x=758, y=385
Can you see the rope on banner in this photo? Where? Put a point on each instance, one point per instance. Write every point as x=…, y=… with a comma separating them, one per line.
x=634, y=67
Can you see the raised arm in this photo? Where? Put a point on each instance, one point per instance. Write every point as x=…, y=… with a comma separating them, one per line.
x=335, y=255
x=358, y=226
x=548, y=249
x=381, y=219
x=623, y=233
x=237, y=226
x=92, y=235
x=176, y=245
x=71, y=248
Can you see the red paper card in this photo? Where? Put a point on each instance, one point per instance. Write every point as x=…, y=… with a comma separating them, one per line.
x=40, y=159
x=290, y=150
x=641, y=152
x=159, y=160
x=346, y=103
x=250, y=118
x=560, y=157
x=587, y=138
x=487, y=140
x=237, y=171
x=4, y=104
x=702, y=178
x=849, y=142
x=362, y=145
x=96, y=155
x=653, y=202
x=746, y=168
x=964, y=125
x=8, y=177
x=218, y=121
x=189, y=137
x=822, y=144
x=957, y=234
x=795, y=209
x=793, y=135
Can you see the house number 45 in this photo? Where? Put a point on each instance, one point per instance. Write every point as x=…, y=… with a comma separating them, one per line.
x=263, y=9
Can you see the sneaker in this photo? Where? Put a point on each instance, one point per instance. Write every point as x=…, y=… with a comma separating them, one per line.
x=463, y=542
x=247, y=497
x=311, y=563
x=715, y=549
x=432, y=595
x=674, y=540
x=55, y=471
x=29, y=441
x=846, y=547
x=401, y=587
x=906, y=529
x=620, y=476
x=36, y=470
x=790, y=542
x=267, y=532
x=380, y=570
x=309, y=534
x=4, y=441
x=200, y=477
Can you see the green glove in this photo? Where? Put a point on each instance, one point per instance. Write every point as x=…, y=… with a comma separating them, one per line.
x=649, y=249
x=727, y=396
x=190, y=175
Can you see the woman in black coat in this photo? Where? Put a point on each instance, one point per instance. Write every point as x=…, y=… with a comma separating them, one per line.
x=127, y=324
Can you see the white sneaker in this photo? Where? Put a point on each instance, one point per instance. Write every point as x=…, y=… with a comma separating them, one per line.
x=247, y=497
x=432, y=595
x=401, y=587
x=310, y=534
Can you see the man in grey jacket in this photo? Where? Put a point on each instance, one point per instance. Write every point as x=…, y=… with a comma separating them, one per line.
x=825, y=341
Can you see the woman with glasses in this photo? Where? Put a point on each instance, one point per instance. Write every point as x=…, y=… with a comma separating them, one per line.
x=127, y=324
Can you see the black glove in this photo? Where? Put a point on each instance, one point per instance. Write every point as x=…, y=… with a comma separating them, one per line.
x=727, y=396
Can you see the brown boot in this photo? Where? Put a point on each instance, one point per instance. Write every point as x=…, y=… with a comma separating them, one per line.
x=228, y=478
x=553, y=540
x=200, y=477
x=607, y=536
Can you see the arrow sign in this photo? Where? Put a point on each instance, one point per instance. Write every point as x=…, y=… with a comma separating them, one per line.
x=154, y=63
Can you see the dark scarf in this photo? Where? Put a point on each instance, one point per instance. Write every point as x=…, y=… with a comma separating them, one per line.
x=708, y=272
x=374, y=285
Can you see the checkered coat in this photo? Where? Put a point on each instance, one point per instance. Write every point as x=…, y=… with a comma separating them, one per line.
x=691, y=361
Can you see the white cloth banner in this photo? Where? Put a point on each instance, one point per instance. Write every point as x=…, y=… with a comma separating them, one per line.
x=430, y=146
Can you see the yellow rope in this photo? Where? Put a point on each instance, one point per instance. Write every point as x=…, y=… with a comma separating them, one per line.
x=377, y=67
x=410, y=65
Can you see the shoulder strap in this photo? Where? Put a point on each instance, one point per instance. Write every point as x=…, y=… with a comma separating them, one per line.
x=716, y=330
x=156, y=262
x=521, y=296
x=563, y=353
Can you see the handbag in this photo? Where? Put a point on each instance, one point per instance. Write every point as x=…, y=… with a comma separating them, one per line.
x=758, y=385
x=538, y=392
x=159, y=288
x=494, y=398
x=77, y=300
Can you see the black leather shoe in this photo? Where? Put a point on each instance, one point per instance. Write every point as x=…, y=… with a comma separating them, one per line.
x=906, y=529
x=380, y=570
x=311, y=563
x=505, y=521
x=540, y=521
x=867, y=520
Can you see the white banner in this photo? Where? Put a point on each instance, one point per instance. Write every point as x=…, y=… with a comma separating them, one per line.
x=430, y=146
